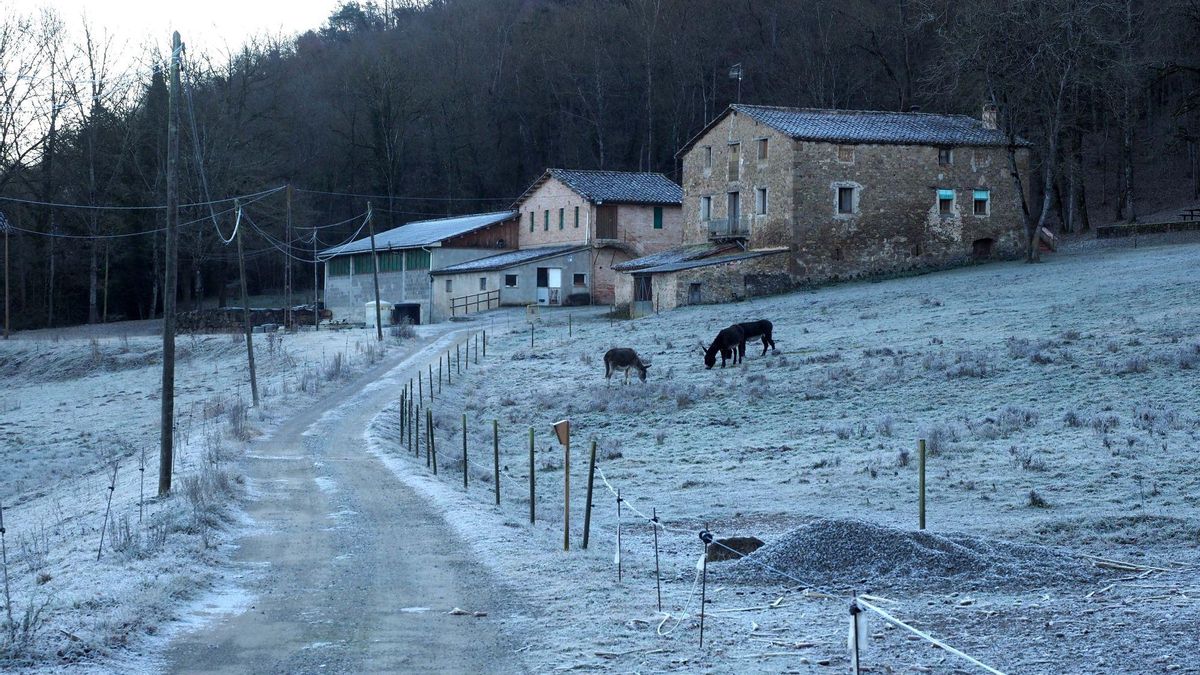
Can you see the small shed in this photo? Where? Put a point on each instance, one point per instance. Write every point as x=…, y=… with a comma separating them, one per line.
x=547, y=276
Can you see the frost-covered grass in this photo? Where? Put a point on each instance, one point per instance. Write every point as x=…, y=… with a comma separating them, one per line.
x=77, y=405
x=1057, y=401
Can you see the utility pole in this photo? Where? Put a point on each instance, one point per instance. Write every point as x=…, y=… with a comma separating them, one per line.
x=246, y=307
x=167, y=431
x=375, y=273
x=4, y=226
x=316, y=289
x=287, y=264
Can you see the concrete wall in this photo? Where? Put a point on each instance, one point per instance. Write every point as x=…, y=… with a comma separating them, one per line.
x=775, y=174
x=346, y=296
x=896, y=224
x=525, y=293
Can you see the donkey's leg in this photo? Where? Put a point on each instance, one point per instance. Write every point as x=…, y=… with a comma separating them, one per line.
x=765, y=339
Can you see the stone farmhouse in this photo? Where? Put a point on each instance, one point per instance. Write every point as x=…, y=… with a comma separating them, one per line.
x=780, y=197
x=574, y=226
x=407, y=254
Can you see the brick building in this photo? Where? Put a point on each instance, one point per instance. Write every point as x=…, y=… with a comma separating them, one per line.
x=618, y=215
x=407, y=254
x=848, y=193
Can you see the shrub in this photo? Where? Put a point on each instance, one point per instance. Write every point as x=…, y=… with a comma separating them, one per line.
x=938, y=437
x=971, y=363
x=1036, y=501
x=1134, y=364
x=1072, y=419
x=884, y=425
x=1026, y=459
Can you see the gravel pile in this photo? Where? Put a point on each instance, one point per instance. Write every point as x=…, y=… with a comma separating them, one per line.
x=840, y=554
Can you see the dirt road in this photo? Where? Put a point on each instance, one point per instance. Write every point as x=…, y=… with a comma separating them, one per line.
x=356, y=573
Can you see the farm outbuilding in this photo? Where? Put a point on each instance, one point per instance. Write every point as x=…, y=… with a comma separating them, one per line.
x=547, y=276
x=406, y=256
x=700, y=274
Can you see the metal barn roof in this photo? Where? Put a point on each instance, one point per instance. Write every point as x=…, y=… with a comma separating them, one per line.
x=510, y=259
x=423, y=233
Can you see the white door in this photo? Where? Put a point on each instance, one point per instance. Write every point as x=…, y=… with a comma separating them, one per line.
x=555, y=286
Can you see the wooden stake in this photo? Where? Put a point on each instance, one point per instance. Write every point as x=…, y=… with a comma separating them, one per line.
x=439, y=374
x=532, y=501
x=484, y=342
x=531, y=335
x=403, y=414
x=4, y=565
x=587, y=507
x=921, y=484
x=477, y=349
x=448, y=380
x=496, y=455
x=431, y=381
x=112, y=487
x=464, y=436
x=420, y=387
x=457, y=359
x=857, y=634
x=432, y=437
x=657, y=573
x=142, y=481
x=705, y=537
x=570, y=326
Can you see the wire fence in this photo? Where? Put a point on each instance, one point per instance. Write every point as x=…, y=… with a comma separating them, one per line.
x=411, y=438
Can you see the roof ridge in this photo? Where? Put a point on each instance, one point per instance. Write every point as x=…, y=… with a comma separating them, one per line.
x=851, y=111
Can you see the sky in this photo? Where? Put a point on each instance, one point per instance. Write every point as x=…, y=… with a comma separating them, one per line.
x=212, y=26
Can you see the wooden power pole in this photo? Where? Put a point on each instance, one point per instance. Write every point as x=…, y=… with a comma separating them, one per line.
x=246, y=308
x=167, y=433
x=287, y=264
x=316, y=284
x=375, y=273
x=4, y=226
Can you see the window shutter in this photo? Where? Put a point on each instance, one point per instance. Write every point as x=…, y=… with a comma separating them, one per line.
x=658, y=218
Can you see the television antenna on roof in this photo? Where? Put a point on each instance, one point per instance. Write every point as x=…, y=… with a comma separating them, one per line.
x=735, y=73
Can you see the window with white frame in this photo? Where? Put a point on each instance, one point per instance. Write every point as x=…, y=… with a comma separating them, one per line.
x=982, y=203
x=760, y=201
x=579, y=280
x=705, y=208
x=449, y=285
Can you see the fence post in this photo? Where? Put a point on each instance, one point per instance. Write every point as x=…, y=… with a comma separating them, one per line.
x=464, y=435
x=531, y=335
x=477, y=349
x=439, y=374
x=402, y=414
x=570, y=326
x=432, y=440
x=921, y=484
x=706, y=537
x=531, y=477
x=858, y=634
x=485, y=343
x=420, y=387
x=657, y=574
x=449, y=381
x=431, y=380
x=587, y=508
x=457, y=360
x=496, y=455
x=619, y=500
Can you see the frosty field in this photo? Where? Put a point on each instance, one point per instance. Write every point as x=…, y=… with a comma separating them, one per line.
x=1057, y=401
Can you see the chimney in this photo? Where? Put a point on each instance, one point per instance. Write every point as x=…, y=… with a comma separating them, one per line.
x=989, y=116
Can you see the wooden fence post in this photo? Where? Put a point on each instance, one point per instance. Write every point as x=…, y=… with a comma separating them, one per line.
x=532, y=481
x=496, y=455
x=921, y=483
x=464, y=435
x=432, y=438
x=587, y=508
x=431, y=380
x=485, y=343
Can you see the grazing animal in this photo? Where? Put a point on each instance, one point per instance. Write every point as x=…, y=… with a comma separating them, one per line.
x=623, y=358
x=754, y=329
x=727, y=342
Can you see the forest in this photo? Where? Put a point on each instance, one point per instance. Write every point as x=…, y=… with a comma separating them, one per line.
x=440, y=107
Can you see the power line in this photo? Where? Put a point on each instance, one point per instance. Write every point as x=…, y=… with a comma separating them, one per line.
x=102, y=207
x=408, y=199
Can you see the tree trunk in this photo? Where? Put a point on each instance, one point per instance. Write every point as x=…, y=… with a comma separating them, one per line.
x=93, y=281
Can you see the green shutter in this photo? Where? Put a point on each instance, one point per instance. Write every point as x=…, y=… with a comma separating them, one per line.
x=576, y=216
x=546, y=221
x=416, y=259
x=945, y=194
x=531, y=221
x=338, y=267
x=658, y=217
x=561, y=217
x=982, y=195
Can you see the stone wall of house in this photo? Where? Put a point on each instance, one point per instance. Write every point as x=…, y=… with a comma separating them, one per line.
x=548, y=199
x=727, y=282
x=705, y=178
x=896, y=224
